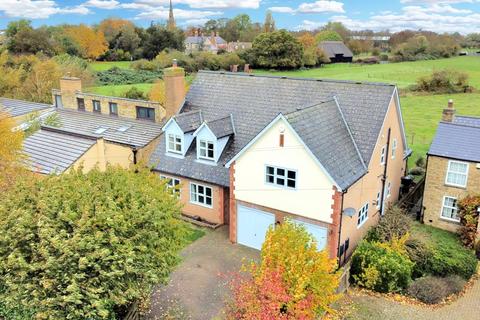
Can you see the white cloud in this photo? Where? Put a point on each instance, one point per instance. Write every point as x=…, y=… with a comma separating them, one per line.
x=322, y=6
x=102, y=4
x=37, y=9
x=162, y=13
x=309, y=25
x=195, y=22
x=205, y=4
x=436, y=8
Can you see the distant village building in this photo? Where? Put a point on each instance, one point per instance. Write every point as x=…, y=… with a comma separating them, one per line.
x=336, y=51
x=199, y=42
x=237, y=45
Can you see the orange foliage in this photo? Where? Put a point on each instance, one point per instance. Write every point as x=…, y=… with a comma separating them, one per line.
x=91, y=43
x=307, y=40
x=111, y=27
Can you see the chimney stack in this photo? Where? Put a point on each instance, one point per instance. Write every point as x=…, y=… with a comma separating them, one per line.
x=174, y=78
x=448, y=113
x=69, y=86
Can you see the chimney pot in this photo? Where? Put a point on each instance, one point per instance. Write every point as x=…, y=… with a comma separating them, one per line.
x=175, y=63
x=448, y=114
x=450, y=104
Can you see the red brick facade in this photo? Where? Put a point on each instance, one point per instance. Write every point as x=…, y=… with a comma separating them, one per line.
x=233, y=206
x=335, y=227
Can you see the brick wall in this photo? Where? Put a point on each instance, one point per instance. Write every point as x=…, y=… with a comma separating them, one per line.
x=436, y=189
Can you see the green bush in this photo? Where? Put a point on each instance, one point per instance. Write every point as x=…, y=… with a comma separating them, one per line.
x=135, y=93
x=78, y=246
x=477, y=249
x=394, y=224
x=380, y=267
x=444, y=81
x=115, y=76
x=417, y=171
x=433, y=290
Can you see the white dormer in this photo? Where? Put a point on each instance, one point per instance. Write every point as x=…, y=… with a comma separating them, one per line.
x=212, y=138
x=176, y=141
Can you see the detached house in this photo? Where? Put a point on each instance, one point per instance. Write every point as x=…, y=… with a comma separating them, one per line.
x=453, y=168
x=250, y=151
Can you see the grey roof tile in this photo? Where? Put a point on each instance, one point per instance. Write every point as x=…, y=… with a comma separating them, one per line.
x=52, y=152
x=19, y=107
x=137, y=133
x=222, y=127
x=189, y=121
x=332, y=48
x=457, y=141
x=254, y=101
x=467, y=121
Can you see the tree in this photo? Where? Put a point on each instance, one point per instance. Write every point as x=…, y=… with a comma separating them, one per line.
x=10, y=151
x=42, y=78
x=269, y=24
x=327, y=35
x=278, y=49
x=11, y=79
x=293, y=281
x=23, y=38
x=159, y=38
x=339, y=28
x=80, y=246
x=112, y=27
x=307, y=40
x=92, y=43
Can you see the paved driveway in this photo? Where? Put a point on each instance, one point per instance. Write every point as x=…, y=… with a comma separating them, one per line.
x=197, y=288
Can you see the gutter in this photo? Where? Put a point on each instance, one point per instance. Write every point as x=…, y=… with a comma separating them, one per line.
x=384, y=178
x=340, y=230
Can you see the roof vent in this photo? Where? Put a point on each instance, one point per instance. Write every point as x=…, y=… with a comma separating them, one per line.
x=124, y=128
x=100, y=130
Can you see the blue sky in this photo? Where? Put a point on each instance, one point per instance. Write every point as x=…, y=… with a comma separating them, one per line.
x=436, y=15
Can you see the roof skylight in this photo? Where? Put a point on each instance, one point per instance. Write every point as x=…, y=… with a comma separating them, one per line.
x=100, y=130
x=124, y=128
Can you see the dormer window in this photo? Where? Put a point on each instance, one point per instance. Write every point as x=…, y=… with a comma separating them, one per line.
x=206, y=150
x=174, y=143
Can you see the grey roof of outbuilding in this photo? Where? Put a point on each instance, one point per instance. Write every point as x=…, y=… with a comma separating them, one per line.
x=254, y=101
x=457, y=140
x=52, y=152
x=139, y=133
x=323, y=129
x=189, y=121
x=332, y=48
x=19, y=107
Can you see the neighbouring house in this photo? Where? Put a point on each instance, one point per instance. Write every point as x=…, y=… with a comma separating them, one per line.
x=453, y=168
x=250, y=151
x=199, y=42
x=23, y=111
x=238, y=46
x=336, y=51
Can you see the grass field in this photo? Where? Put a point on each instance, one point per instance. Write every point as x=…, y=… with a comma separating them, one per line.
x=402, y=74
x=119, y=90
x=105, y=65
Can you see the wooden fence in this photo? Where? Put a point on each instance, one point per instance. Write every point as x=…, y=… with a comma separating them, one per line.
x=133, y=313
x=411, y=199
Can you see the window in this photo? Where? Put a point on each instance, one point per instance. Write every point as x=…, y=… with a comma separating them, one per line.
x=450, y=209
x=362, y=215
x=80, y=104
x=96, y=106
x=281, y=177
x=146, y=113
x=113, y=108
x=394, y=148
x=389, y=189
x=379, y=196
x=174, y=143
x=206, y=150
x=382, y=155
x=58, y=101
x=172, y=183
x=201, y=195
x=457, y=174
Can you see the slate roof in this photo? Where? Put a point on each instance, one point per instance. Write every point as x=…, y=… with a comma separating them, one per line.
x=137, y=134
x=189, y=121
x=332, y=48
x=201, y=39
x=19, y=107
x=222, y=127
x=52, y=152
x=323, y=129
x=254, y=101
x=459, y=139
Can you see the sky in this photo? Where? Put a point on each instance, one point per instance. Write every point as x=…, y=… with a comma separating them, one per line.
x=436, y=15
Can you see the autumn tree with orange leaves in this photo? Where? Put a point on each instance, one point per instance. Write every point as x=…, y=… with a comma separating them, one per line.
x=293, y=281
x=92, y=43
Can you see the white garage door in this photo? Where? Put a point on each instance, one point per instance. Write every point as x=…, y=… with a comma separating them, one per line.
x=319, y=233
x=252, y=226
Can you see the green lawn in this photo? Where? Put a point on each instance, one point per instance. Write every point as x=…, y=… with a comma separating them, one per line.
x=402, y=74
x=105, y=65
x=119, y=90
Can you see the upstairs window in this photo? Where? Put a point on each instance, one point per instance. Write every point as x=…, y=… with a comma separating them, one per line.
x=81, y=104
x=389, y=189
x=146, y=113
x=379, y=196
x=383, y=155
x=96, y=106
x=206, y=150
x=362, y=215
x=113, y=108
x=450, y=209
x=281, y=177
x=457, y=174
x=394, y=148
x=174, y=143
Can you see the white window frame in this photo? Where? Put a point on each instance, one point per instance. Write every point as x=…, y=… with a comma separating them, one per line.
x=383, y=154
x=206, y=149
x=175, y=143
x=284, y=177
x=389, y=189
x=448, y=207
x=379, y=199
x=457, y=173
x=172, y=183
x=195, y=195
x=394, y=148
x=362, y=215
